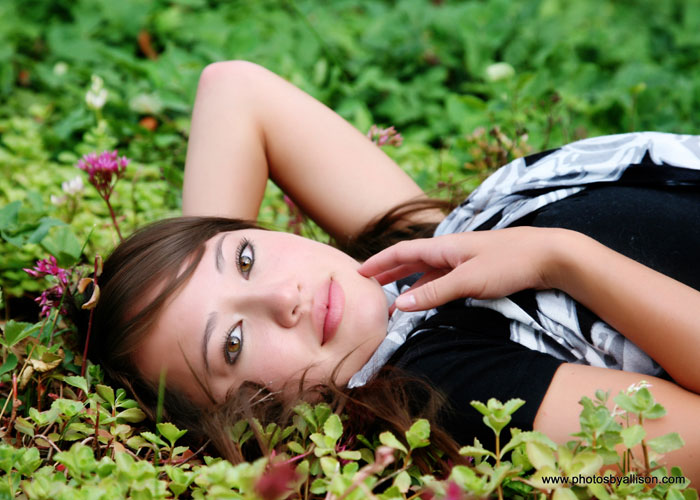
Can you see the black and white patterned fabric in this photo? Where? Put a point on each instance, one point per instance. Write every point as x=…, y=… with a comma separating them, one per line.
x=548, y=321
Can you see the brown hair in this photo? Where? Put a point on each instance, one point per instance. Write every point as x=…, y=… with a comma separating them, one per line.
x=154, y=257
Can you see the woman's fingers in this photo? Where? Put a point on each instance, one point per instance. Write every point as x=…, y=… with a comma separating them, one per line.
x=434, y=292
x=426, y=252
x=401, y=271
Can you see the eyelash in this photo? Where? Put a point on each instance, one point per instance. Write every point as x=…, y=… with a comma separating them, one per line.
x=227, y=338
x=244, y=245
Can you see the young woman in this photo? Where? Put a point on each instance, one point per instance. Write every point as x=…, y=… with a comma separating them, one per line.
x=218, y=305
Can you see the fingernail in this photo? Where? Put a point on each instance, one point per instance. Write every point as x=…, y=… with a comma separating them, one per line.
x=405, y=301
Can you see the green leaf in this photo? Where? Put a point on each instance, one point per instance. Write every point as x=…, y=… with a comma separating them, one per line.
x=15, y=331
x=633, y=435
x=63, y=244
x=330, y=466
x=564, y=494
x=333, y=427
x=9, y=364
x=540, y=456
x=350, y=455
x=418, y=436
x=667, y=442
x=403, y=481
x=170, y=432
x=78, y=382
x=132, y=415
x=9, y=215
x=106, y=393
x=149, y=436
x=388, y=439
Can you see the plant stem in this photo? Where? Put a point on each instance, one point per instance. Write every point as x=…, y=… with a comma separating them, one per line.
x=114, y=219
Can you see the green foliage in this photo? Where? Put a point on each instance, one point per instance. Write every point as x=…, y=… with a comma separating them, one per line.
x=469, y=85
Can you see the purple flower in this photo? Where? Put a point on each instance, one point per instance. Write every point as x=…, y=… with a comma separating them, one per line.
x=51, y=297
x=385, y=136
x=49, y=267
x=104, y=170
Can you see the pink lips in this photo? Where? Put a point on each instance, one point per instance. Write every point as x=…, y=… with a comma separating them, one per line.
x=334, y=311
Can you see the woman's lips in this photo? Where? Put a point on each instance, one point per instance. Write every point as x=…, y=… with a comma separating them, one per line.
x=329, y=304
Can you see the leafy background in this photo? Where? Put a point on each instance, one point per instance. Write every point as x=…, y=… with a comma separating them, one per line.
x=468, y=84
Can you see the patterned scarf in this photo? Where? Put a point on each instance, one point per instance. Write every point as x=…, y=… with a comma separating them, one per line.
x=550, y=323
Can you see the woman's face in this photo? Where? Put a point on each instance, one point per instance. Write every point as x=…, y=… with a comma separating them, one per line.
x=263, y=306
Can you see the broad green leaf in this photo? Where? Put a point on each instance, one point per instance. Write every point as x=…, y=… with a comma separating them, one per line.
x=540, y=456
x=170, y=432
x=564, y=494
x=106, y=393
x=403, y=481
x=78, y=382
x=153, y=438
x=350, y=455
x=667, y=442
x=15, y=331
x=633, y=435
x=63, y=244
x=333, y=427
x=388, y=439
x=132, y=415
x=9, y=364
x=418, y=436
x=330, y=466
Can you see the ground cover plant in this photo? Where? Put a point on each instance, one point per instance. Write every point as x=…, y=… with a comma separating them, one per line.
x=468, y=86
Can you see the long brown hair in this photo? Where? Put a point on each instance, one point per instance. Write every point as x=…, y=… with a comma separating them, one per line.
x=153, y=258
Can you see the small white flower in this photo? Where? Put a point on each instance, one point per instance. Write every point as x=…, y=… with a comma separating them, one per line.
x=96, y=96
x=73, y=186
x=499, y=71
x=58, y=200
x=60, y=68
x=634, y=388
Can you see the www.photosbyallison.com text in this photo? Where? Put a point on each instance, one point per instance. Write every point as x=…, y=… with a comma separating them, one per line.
x=615, y=480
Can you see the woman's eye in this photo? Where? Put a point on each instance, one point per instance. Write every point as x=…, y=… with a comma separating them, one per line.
x=245, y=257
x=233, y=344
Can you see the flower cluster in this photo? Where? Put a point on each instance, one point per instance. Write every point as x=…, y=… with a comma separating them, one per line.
x=51, y=297
x=72, y=188
x=104, y=170
x=96, y=96
x=385, y=136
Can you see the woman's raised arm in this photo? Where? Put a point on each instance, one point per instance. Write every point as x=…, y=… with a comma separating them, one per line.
x=249, y=124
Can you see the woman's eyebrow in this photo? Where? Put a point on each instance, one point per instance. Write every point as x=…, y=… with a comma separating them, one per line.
x=219, y=259
x=208, y=330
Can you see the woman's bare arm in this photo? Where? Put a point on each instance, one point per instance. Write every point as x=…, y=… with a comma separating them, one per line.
x=558, y=414
x=249, y=124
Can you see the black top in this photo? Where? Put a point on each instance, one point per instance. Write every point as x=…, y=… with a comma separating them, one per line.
x=467, y=353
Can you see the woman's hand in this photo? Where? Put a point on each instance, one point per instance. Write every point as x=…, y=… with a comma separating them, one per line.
x=481, y=264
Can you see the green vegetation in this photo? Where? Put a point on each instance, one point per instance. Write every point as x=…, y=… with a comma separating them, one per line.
x=469, y=85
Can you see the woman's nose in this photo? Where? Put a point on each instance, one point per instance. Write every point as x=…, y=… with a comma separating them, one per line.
x=281, y=300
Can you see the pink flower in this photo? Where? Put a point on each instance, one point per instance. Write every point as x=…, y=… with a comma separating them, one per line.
x=51, y=297
x=104, y=170
x=454, y=492
x=275, y=482
x=49, y=267
x=385, y=136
